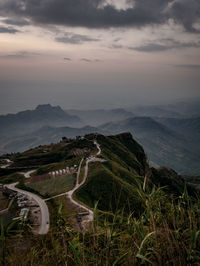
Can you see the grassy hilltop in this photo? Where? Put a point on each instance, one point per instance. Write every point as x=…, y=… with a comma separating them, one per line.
x=142, y=215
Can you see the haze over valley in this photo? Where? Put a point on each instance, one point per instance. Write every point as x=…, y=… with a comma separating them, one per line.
x=168, y=133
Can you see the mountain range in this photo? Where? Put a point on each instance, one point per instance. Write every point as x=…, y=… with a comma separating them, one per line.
x=167, y=138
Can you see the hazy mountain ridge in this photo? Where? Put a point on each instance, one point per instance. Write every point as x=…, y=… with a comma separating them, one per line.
x=163, y=145
x=182, y=109
x=101, y=116
x=32, y=119
x=45, y=135
x=189, y=127
x=167, y=141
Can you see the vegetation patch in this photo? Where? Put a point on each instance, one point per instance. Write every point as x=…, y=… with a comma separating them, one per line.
x=6, y=218
x=52, y=187
x=12, y=178
x=4, y=201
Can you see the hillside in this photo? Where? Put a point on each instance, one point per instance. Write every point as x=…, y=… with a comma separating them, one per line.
x=116, y=201
x=189, y=127
x=42, y=136
x=114, y=184
x=163, y=145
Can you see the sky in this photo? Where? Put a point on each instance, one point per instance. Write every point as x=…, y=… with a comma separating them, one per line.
x=89, y=54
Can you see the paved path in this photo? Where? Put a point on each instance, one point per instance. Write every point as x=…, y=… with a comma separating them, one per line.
x=8, y=163
x=77, y=181
x=27, y=174
x=44, y=225
x=98, y=147
x=89, y=218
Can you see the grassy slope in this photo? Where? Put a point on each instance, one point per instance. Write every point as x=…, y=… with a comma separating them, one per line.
x=52, y=187
x=166, y=232
x=114, y=184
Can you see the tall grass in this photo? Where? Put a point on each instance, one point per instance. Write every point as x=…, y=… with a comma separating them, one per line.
x=166, y=233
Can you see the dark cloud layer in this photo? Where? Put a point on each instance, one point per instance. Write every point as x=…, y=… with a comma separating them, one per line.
x=16, y=22
x=8, y=30
x=95, y=14
x=73, y=38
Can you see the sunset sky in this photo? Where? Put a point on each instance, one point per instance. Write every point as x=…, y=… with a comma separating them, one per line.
x=96, y=53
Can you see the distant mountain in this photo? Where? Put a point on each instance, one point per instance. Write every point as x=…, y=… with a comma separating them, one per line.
x=189, y=127
x=169, y=135
x=32, y=119
x=44, y=135
x=155, y=110
x=17, y=131
x=100, y=116
x=163, y=145
x=184, y=109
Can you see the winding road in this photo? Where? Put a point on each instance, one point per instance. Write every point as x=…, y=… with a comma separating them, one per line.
x=27, y=174
x=89, y=218
x=44, y=225
x=9, y=162
x=45, y=222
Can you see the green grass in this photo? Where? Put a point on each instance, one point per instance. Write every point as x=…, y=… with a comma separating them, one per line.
x=57, y=166
x=52, y=187
x=166, y=233
x=6, y=218
x=132, y=225
x=3, y=201
x=12, y=178
x=109, y=190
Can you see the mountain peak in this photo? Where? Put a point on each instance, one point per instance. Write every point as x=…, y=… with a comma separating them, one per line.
x=47, y=107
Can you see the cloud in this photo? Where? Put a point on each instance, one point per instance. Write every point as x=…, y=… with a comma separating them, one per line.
x=72, y=38
x=164, y=45
x=99, y=14
x=16, y=22
x=186, y=12
x=90, y=60
x=85, y=60
x=20, y=55
x=150, y=47
x=8, y=30
x=190, y=66
x=67, y=59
